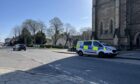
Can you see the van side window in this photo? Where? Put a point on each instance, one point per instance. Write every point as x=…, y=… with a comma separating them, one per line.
x=97, y=44
x=88, y=43
x=80, y=43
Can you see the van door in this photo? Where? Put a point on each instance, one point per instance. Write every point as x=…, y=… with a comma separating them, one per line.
x=87, y=48
x=97, y=46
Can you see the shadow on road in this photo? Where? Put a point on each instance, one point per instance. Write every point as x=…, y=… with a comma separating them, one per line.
x=117, y=57
x=76, y=70
x=129, y=58
x=58, y=72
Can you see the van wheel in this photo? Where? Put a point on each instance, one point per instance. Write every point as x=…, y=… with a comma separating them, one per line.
x=80, y=53
x=101, y=55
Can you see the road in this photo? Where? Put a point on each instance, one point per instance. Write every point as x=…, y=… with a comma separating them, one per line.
x=43, y=66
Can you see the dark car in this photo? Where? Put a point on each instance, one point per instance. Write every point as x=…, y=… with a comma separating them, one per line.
x=19, y=47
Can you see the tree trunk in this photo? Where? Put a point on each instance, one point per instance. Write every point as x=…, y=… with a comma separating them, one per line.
x=55, y=39
x=66, y=42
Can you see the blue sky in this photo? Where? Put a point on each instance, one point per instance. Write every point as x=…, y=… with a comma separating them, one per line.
x=14, y=12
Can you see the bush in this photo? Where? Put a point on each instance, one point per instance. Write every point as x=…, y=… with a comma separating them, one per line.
x=30, y=45
x=42, y=46
x=36, y=46
x=65, y=47
x=51, y=46
x=59, y=47
x=48, y=46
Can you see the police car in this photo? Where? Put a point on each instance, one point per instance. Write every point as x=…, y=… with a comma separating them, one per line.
x=94, y=47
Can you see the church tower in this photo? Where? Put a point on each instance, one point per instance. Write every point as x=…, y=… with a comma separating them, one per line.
x=117, y=22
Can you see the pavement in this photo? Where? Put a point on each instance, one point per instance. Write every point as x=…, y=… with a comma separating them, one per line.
x=44, y=66
x=130, y=54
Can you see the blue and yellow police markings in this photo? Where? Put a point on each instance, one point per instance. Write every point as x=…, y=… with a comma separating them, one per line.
x=85, y=47
x=104, y=49
x=88, y=49
x=95, y=48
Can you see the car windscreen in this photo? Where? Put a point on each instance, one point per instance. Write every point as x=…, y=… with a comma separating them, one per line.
x=22, y=45
x=105, y=44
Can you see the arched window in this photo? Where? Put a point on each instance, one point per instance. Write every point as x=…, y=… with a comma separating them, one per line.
x=111, y=26
x=101, y=28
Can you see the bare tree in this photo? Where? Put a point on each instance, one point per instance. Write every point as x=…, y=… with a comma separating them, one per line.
x=31, y=25
x=42, y=27
x=16, y=31
x=56, y=28
x=69, y=31
x=34, y=26
x=86, y=33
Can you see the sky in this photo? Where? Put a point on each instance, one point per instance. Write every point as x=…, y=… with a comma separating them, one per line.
x=13, y=12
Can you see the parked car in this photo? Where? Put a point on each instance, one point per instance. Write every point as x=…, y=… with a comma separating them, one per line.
x=94, y=47
x=19, y=47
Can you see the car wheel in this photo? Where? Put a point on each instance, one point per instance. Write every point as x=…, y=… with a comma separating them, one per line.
x=101, y=55
x=80, y=53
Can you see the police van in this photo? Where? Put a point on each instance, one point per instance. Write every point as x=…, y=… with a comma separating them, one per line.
x=94, y=47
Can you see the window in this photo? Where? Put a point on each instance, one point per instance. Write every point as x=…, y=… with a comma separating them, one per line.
x=101, y=28
x=111, y=26
x=97, y=44
x=106, y=32
x=88, y=43
x=80, y=43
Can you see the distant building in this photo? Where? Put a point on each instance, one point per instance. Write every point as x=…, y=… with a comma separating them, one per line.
x=72, y=41
x=117, y=22
x=61, y=42
x=49, y=41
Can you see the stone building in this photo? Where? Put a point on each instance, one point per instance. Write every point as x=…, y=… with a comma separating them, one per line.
x=117, y=22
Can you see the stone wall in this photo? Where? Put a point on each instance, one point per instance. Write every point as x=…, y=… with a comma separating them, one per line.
x=123, y=16
x=105, y=13
x=134, y=18
x=123, y=13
